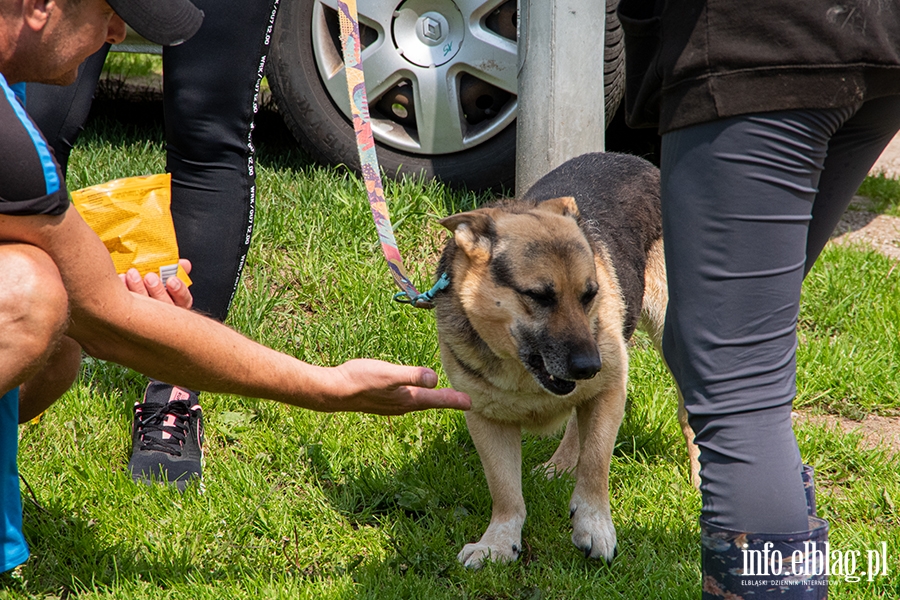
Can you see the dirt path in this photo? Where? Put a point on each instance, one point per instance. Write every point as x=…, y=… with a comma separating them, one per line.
x=876, y=432
x=860, y=225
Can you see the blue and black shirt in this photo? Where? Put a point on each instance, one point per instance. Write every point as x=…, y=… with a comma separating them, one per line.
x=30, y=183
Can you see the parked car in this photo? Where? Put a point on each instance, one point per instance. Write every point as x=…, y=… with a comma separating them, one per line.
x=440, y=79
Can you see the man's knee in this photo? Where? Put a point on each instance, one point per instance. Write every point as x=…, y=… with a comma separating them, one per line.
x=50, y=382
x=33, y=304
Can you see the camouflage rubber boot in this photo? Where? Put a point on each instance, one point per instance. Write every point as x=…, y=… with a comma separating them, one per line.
x=750, y=566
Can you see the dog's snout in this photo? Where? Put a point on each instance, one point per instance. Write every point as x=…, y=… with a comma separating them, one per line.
x=584, y=365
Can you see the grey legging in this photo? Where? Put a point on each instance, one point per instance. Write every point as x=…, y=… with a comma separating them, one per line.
x=748, y=203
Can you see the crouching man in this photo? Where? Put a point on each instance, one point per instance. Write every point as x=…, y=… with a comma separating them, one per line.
x=59, y=292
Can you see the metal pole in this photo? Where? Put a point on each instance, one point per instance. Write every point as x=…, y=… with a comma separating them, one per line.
x=561, y=102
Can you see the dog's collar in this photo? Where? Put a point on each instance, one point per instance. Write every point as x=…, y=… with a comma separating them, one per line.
x=425, y=300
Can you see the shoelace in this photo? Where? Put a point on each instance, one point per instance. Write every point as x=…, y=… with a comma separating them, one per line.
x=155, y=422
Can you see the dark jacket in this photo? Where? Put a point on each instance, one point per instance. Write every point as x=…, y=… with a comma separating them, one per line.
x=694, y=61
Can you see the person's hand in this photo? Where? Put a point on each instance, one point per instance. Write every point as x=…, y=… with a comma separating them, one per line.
x=174, y=292
x=383, y=388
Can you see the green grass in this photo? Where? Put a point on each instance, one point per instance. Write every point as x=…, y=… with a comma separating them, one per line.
x=849, y=325
x=126, y=64
x=306, y=505
x=885, y=191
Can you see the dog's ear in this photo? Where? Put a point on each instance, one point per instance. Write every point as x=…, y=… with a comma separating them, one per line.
x=564, y=206
x=473, y=231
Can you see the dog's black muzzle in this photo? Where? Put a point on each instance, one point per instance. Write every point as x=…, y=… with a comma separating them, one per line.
x=559, y=366
x=584, y=365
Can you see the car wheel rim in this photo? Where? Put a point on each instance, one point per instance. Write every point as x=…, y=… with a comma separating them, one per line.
x=440, y=75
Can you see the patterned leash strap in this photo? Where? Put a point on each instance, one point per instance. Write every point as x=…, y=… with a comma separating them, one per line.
x=365, y=143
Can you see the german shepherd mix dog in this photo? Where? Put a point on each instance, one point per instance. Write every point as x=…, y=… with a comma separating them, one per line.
x=545, y=293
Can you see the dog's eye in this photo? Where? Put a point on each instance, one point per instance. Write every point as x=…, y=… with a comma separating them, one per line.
x=544, y=298
x=589, y=295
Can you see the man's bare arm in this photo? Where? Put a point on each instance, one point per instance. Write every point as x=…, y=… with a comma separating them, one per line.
x=183, y=348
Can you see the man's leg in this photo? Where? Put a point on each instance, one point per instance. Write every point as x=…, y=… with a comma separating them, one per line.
x=51, y=381
x=33, y=312
x=33, y=316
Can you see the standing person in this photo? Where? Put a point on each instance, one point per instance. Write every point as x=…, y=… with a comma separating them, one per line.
x=59, y=291
x=210, y=89
x=771, y=115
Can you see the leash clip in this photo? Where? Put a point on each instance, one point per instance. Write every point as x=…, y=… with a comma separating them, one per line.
x=425, y=300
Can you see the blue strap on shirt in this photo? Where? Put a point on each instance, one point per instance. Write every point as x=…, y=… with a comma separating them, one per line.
x=13, y=549
x=15, y=95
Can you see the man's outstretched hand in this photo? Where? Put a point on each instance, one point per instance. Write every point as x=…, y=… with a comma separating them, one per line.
x=383, y=388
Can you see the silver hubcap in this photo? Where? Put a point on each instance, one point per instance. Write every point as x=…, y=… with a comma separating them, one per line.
x=440, y=74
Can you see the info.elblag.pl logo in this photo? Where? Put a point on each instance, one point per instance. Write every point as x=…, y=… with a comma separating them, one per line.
x=816, y=560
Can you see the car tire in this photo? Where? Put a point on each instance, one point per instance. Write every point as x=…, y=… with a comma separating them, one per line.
x=305, y=43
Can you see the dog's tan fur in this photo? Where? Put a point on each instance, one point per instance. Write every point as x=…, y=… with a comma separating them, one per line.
x=480, y=328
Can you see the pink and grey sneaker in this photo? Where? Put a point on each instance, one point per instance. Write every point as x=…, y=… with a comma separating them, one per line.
x=167, y=436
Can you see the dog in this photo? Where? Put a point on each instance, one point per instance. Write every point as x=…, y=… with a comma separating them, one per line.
x=545, y=293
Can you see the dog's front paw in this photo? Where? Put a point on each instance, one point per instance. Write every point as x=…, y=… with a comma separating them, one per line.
x=593, y=531
x=502, y=542
x=473, y=556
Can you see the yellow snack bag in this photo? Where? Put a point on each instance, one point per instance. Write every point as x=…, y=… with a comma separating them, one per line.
x=132, y=218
